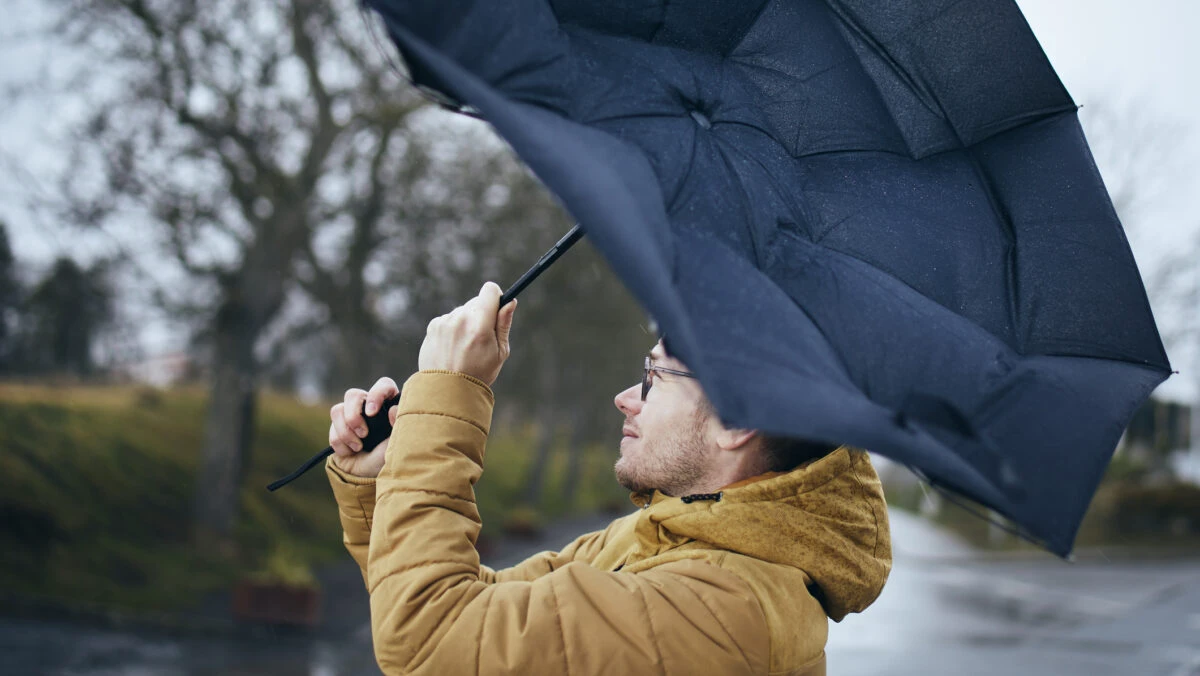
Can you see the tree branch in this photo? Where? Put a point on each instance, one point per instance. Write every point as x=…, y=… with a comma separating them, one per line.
x=327, y=130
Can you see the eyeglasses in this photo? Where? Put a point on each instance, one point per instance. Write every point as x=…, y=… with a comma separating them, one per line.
x=648, y=375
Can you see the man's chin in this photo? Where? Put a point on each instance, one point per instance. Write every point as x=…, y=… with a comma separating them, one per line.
x=627, y=479
x=633, y=486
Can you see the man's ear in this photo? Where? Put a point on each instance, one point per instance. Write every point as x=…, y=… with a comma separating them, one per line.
x=729, y=439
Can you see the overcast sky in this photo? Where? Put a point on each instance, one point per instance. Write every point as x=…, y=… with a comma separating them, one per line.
x=1142, y=56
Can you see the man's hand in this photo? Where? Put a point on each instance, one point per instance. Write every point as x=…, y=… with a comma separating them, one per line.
x=349, y=427
x=473, y=339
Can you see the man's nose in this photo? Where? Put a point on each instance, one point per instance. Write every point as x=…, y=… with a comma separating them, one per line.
x=629, y=402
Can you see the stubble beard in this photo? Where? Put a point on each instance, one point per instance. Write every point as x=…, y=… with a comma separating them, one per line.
x=671, y=466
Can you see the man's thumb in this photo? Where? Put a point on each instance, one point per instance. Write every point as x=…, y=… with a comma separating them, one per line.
x=504, y=324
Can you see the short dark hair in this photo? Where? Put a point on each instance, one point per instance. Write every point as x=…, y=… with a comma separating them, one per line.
x=784, y=454
x=780, y=454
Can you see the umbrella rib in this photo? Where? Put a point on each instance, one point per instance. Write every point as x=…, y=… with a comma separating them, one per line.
x=952, y=496
x=686, y=175
x=638, y=116
x=797, y=212
x=927, y=98
x=737, y=61
x=662, y=21
x=1024, y=119
x=1011, y=264
x=747, y=213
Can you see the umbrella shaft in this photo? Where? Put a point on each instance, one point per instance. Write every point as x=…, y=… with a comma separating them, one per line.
x=547, y=259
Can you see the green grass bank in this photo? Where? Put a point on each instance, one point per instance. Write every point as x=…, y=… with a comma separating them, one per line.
x=96, y=486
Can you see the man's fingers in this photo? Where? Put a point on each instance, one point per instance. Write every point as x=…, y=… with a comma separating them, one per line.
x=335, y=443
x=341, y=440
x=468, y=339
x=381, y=391
x=347, y=436
x=481, y=311
x=392, y=413
x=489, y=297
x=352, y=411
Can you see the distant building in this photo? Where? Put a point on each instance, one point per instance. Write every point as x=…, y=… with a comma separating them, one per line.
x=161, y=370
x=1157, y=429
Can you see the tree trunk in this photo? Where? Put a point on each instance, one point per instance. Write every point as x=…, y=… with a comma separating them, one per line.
x=359, y=357
x=547, y=423
x=575, y=450
x=547, y=430
x=229, y=425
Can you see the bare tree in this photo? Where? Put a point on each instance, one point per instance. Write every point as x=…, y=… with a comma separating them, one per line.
x=1135, y=150
x=245, y=133
x=1138, y=153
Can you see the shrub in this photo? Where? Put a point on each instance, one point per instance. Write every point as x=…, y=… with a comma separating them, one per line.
x=1168, y=510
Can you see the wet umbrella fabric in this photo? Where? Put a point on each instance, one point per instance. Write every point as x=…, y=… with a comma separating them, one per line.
x=874, y=223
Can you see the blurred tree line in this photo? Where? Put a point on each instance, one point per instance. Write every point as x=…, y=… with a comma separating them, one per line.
x=51, y=328
x=323, y=213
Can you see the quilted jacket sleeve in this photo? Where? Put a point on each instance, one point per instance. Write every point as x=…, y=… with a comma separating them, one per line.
x=356, y=506
x=431, y=613
x=583, y=549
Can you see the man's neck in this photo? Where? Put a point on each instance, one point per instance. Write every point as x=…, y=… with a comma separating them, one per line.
x=717, y=482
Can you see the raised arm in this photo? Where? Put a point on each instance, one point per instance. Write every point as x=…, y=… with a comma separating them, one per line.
x=356, y=508
x=582, y=550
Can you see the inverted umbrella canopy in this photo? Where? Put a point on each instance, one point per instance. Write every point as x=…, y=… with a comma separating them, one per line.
x=862, y=222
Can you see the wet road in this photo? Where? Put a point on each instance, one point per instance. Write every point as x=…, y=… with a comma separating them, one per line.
x=944, y=611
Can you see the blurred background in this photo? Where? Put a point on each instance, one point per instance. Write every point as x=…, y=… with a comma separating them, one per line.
x=215, y=218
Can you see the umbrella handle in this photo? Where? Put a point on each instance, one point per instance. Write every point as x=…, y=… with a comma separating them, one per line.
x=378, y=425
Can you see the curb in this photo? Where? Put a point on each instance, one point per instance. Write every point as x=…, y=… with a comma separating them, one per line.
x=174, y=625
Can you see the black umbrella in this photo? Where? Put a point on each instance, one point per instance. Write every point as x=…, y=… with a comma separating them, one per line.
x=874, y=223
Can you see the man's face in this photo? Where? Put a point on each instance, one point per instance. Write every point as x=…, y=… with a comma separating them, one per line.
x=667, y=438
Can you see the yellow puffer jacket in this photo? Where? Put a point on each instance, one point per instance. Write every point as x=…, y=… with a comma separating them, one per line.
x=738, y=585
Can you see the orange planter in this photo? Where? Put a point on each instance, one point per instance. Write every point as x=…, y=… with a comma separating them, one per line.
x=276, y=603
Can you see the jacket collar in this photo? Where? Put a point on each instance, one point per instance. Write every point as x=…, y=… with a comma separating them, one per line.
x=826, y=517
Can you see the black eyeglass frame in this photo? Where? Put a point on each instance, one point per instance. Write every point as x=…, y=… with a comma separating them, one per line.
x=648, y=375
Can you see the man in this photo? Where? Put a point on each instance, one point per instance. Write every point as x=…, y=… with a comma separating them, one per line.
x=727, y=568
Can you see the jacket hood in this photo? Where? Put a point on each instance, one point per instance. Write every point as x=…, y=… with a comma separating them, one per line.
x=827, y=518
